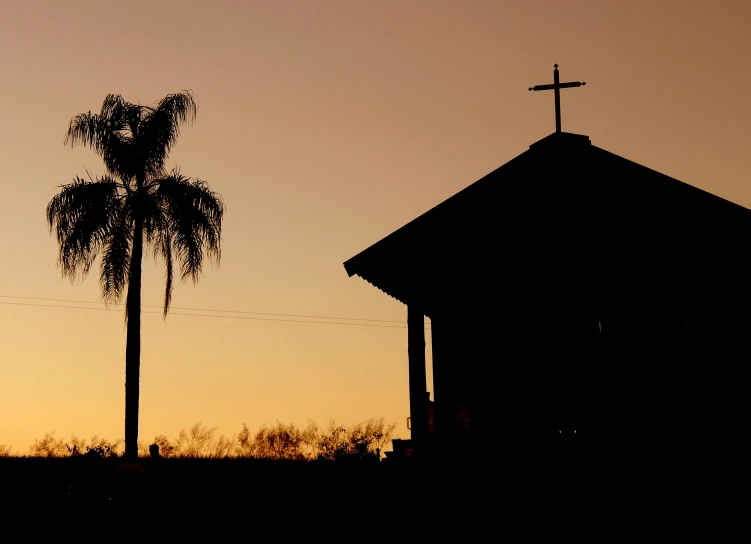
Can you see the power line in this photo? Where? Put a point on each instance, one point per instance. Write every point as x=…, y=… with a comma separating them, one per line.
x=37, y=305
x=210, y=310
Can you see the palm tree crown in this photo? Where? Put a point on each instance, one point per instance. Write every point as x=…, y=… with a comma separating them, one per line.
x=177, y=217
x=136, y=203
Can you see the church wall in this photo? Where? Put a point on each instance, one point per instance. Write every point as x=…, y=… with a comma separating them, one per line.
x=587, y=292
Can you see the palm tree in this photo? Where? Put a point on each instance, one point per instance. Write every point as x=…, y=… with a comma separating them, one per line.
x=137, y=204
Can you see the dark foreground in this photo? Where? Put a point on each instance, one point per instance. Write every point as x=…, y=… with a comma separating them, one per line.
x=536, y=486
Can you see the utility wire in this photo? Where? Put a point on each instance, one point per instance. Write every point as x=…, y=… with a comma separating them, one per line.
x=209, y=310
x=208, y=315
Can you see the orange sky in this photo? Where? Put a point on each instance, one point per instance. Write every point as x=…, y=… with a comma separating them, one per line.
x=325, y=126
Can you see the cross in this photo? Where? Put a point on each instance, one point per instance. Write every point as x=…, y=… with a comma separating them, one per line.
x=557, y=86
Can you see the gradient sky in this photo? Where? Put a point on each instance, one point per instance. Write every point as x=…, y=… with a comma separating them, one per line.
x=325, y=125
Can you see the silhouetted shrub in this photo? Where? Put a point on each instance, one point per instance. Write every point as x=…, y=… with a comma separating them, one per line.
x=49, y=446
x=282, y=442
x=103, y=448
x=198, y=441
x=277, y=442
x=361, y=441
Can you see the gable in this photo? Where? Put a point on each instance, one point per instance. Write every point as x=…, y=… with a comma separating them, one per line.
x=556, y=214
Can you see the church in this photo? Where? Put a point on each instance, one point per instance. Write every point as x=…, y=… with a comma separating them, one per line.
x=572, y=292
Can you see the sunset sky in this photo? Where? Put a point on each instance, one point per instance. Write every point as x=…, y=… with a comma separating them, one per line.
x=325, y=125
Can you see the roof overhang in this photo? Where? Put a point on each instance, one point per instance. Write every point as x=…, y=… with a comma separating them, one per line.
x=458, y=242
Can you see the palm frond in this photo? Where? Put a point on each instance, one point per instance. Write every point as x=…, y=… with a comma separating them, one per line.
x=87, y=129
x=151, y=209
x=115, y=264
x=133, y=117
x=194, y=213
x=165, y=249
x=108, y=135
x=161, y=126
x=81, y=216
x=157, y=232
x=113, y=109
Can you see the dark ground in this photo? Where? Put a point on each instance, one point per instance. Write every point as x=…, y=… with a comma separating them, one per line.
x=554, y=482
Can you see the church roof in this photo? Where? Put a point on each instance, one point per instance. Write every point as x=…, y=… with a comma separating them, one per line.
x=562, y=209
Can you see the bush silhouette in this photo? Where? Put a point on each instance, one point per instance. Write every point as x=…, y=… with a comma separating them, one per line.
x=278, y=442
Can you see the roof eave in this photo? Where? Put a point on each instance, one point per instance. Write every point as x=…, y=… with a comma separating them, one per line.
x=382, y=289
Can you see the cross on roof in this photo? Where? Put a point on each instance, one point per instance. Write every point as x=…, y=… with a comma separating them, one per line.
x=557, y=86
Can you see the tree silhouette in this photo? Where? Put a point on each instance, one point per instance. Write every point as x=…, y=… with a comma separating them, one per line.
x=136, y=204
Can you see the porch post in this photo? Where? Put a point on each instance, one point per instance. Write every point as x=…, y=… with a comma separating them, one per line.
x=418, y=406
x=441, y=380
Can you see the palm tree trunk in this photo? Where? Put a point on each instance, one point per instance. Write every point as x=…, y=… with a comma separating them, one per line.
x=133, y=344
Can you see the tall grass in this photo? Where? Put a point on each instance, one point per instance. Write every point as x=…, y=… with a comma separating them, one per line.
x=280, y=441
